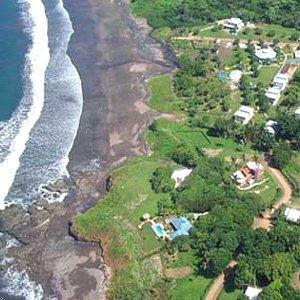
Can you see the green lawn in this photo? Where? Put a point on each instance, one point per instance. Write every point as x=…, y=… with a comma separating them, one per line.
x=170, y=134
x=236, y=57
x=266, y=75
x=115, y=221
x=268, y=191
x=232, y=295
x=161, y=93
x=292, y=172
x=190, y=288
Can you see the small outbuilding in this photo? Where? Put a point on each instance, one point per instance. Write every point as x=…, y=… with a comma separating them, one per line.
x=271, y=127
x=179, y=175
x=273, y=94
x=252, y=292
x=244, y=114
x=146, y=217
x=297, y=53
x=292, y=214
x=235, y=76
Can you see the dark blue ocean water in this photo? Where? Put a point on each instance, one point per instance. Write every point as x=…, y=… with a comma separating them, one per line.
x=13, y=44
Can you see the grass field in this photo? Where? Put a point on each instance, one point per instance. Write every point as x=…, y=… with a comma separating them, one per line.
x=292, y=172
x=266, y=75
x=234, y=295
x=115, y=221
x=161, y=94
x=190, y=288
x=170, y=134
x=193, y=286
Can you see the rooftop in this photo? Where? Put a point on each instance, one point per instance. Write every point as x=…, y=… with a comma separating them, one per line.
x=181, y=225
x=292, y=214
x=235, y=75
x=252, y=292
x=265, y=53
x=180, y=174
x=235, y=21
x=271, y=127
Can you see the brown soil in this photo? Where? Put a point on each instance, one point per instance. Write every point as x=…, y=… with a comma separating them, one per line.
x=178, y=272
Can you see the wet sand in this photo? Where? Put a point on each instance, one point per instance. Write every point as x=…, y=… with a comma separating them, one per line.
x=114, y=56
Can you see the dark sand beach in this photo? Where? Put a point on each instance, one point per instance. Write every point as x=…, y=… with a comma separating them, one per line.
x=114, y=56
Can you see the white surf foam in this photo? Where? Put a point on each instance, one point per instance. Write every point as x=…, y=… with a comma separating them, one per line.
x=36, y=63
x=18, y=284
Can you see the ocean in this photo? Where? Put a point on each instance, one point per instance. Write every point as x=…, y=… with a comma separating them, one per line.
x=40, y=108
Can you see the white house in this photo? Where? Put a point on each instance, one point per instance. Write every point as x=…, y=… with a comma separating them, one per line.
x=281, y=81
x=297, y=53
x=233, y=24
x=244, y=114
x=297, y=113
x=265, y=54
x=292, y=214
x=235, y=76
x=252, y=292
x=271, y=127
x=273, y=93
x=179, y=175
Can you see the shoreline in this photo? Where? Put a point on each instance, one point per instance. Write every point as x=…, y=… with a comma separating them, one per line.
x=114, y=56
x=113, y=159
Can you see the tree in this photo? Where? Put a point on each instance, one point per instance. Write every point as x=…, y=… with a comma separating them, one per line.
x=216, y=260
x=161, y=181
x=272, y=291
x=245, y=274
x=294, y=36
x=258, y=31
x=261, y=139
x=278, y=265
x=282, y=155
x=220, y=128
x=184, y=156
x=164, y=206
x=271, y=33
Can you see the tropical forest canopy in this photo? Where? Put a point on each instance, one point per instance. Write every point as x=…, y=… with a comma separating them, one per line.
x=176, y=13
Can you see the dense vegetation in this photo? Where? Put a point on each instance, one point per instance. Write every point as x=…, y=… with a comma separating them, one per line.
x=175, y=13
x=270, y=259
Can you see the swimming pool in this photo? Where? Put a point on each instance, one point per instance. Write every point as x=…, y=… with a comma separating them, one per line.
x=158, y=229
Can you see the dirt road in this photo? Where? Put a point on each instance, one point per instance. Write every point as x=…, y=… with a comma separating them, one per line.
x=263, y=222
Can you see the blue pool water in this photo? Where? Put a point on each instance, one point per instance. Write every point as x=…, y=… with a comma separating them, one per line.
x=158, y=229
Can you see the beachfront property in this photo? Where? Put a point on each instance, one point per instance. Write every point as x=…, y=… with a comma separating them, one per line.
x=233, y=25
x=265, y=55
x=169, y=228
x=179, y=175
x=181, y=226
x=297, y=113
x=252, y=292
x=248, y=174
x=244, y=114
x=271, y=127
x=273, y=94
x=292, y=214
